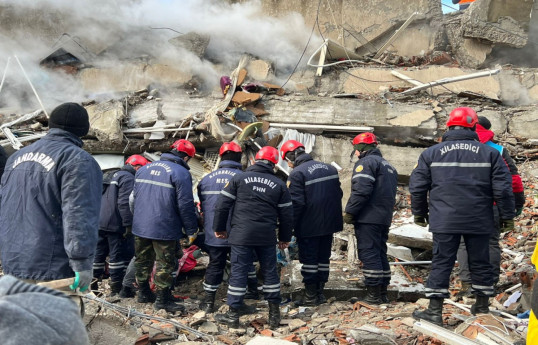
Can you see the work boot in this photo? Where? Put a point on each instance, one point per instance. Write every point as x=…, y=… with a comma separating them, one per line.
x=145, y=295
x=163, y=302
x=321, y=297
x=115, y=288
x=384, y=294
x=208, y=302
x=274, y=315
x=433, y=314
x=373, y=294
x=309, y=297
x=231, y=318
x=481, y=306
x=252, y=293
x=245, y=309
x=173, y=298
x=127, y=292
x=95, y=284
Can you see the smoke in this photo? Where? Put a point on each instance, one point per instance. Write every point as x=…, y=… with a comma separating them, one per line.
x=122, y=32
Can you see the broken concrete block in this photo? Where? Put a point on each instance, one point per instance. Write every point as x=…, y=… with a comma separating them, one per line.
x=145, y=114
x=193, y=42
x=524, y=124
x=411, y=235
x=413, y=119
x=209, y=328
x=105, y=120
x=296, y=323
x=259, y=70
x=505, y=30
x=399, y=252
x=469, y=52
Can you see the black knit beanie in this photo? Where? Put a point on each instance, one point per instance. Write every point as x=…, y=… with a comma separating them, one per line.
x=71, y=117
x=484, y=122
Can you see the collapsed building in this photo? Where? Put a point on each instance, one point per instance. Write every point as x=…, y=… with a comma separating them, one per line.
x=394, y=68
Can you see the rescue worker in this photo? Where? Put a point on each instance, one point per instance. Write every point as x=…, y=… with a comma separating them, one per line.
x=485, y=135
x=115, y=224
x=463, y=3
x=317, y=214
x=163, y=205
x=49, y=211
x=218, y=249
x=369, y=209
x=261, y=203
x=453, y=188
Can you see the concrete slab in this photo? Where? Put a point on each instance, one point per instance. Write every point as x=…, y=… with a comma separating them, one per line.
x=105, y=120
x=411, y=235
x=144, y=114
x=259, y=70
x=488, y=86
x=192, y=41
x=129, y=77
x=399, y=252
x=524, y=124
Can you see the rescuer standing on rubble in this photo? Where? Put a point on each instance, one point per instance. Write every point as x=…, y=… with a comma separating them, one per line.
x=51, y=196
x=485, y=135
x=218, y=248
x=453, y=187
x=317, y=214
x=163, y=205
x=261, y=203
x=369, y=209
x=115, y=224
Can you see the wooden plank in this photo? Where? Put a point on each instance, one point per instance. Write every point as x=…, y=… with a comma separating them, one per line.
x=321, y=61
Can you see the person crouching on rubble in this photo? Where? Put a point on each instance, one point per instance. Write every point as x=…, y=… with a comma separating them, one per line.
x=317, y=214
x=32, y=314
x=115, y=225
x=369, y=209
x=163, y=205
x=261, y=203
x=453, y=187
x=218, y=248
x=50, y=201
x=485, y=135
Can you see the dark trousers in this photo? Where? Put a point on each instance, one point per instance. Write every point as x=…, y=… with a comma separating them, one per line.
x=242, y=258
x=215, y=269
x=120, y=251
x=314, y=254
x=372, y=248
x=163, y=253
x=445, y=248
x=494, y=253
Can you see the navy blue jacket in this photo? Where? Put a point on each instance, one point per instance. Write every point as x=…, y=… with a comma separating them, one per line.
x=260, y=199
x=115, y=213
x=463, y=178
x=373, y=189
x=163, y=200
x=49, y=210
x=317, y=198
x=208, y=192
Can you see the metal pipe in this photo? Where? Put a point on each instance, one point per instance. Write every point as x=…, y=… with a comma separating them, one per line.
x=32, y=86
x=4, y=75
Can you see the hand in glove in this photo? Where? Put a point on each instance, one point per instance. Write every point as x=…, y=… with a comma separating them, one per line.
x=83, y=280
x=128, y=232
x=348, y=218
x=519, y=211
x=421, y=220
x=192, y=238
x=507, y=225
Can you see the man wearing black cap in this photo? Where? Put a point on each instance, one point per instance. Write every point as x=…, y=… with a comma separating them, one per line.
x=50, y=201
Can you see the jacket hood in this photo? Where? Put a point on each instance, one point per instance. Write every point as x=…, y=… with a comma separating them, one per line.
x=305, y=157
x=58, y=134
x=175, y=159
x=460, y=134
x=375, y=152
x=230, y=165
x=484, y=135
x=129, y=168
x=262, y=168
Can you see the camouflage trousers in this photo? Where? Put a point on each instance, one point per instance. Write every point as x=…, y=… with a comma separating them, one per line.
x=163, y=253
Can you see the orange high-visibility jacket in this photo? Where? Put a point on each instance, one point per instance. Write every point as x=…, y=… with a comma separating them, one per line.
x=465, y=2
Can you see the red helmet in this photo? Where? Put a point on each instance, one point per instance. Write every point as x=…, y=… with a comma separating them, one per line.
x=290, y=146
x=464, y=116
x=186, y=146
x=365, y=138
x=231, y=146
x=269, y=153
x=137, y=160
